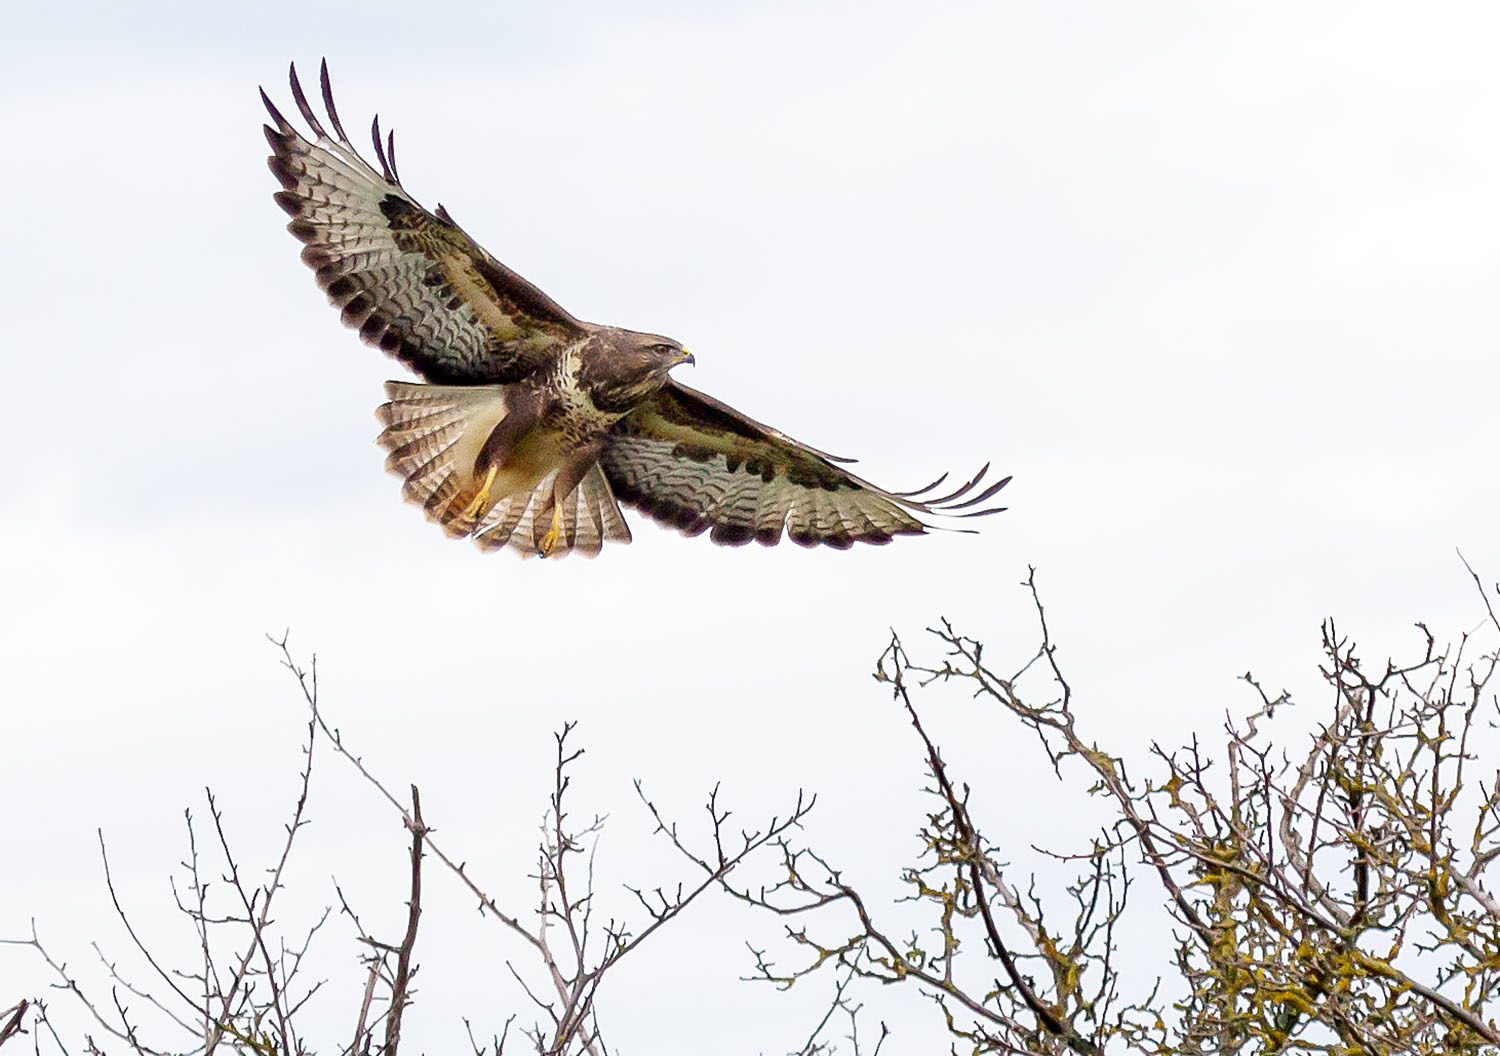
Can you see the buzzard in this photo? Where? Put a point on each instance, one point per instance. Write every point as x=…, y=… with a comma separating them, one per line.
x=533, y=424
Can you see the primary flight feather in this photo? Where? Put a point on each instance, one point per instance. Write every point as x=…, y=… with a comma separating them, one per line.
x=535, y=424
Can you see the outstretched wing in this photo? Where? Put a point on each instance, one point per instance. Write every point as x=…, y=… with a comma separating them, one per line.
x=412, y=282
x=689, y=461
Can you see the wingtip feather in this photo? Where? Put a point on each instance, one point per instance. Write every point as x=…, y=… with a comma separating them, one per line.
x=327, y=89
x=304, y=107
x=977, y=499
x=282, y=124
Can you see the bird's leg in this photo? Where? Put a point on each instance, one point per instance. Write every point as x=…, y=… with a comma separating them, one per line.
x=549, y=541
x=481, y=503
x=522, y=412
x=567, y=481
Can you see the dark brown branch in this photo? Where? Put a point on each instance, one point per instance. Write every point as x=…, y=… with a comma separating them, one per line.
x=12, y=1020
x=400, y=988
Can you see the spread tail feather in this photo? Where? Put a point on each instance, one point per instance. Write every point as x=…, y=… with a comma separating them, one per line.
x=434, y=435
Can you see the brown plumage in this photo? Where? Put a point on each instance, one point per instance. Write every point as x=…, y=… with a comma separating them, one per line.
x=534, y=423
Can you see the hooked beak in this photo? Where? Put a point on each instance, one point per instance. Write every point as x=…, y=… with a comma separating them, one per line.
x=687, y=357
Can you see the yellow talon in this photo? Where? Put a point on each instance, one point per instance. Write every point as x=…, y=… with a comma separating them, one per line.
x=481, y=503
x=549, y=541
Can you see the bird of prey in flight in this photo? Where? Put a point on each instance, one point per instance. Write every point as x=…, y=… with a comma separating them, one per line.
x=532, y=425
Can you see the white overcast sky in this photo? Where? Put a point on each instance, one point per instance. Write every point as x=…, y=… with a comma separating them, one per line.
x=1215, y=282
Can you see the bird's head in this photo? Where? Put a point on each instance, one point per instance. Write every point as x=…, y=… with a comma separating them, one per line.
x=631, y=366
x=660, y=354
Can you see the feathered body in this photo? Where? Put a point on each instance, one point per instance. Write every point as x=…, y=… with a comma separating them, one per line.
x=534, y=423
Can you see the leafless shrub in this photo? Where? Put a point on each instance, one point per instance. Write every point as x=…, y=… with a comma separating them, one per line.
x=1332, y=892
x=247, y=990
x=1336, y=899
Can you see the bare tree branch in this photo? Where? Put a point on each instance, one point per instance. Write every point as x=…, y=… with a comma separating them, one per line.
x=12, y=1021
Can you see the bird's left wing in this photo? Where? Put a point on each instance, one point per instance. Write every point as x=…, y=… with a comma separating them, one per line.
x=412, y=281
x=689, y=461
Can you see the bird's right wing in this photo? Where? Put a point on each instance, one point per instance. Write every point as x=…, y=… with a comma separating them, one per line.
x=411, y=281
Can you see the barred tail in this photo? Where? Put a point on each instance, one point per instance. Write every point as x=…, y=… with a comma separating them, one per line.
x=433, y=434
